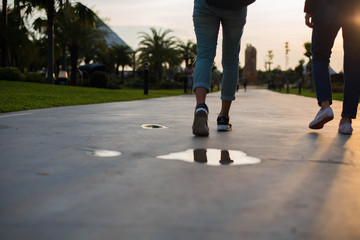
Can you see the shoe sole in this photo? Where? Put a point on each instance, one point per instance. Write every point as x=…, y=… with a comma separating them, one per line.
x=321, y=124
x=223, y=128
x=345, y=133
x=200, y=127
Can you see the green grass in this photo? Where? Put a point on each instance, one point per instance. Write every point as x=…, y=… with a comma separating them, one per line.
x=17, y=96
x=310, y=93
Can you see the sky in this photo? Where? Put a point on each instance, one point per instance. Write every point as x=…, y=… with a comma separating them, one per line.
x=270, y=23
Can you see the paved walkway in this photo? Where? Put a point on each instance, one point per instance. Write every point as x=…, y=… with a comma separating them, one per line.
x=306, y=186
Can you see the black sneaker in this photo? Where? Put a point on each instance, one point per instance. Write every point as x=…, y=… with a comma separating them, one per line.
x=200, y=126
x=223, y=124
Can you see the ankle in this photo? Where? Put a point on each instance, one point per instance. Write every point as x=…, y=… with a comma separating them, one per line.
x=224, y=115
x=325, y=104
x=201, y=104
x=345, y=119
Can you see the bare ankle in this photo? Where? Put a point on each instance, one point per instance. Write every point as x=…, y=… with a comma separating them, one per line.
x=345, y=119
x=325, y=104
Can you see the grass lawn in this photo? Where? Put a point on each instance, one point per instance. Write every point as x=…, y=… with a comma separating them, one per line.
x=17, y=96
x=310, y=93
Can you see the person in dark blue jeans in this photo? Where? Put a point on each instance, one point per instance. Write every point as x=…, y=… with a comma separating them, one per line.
x=326, y=17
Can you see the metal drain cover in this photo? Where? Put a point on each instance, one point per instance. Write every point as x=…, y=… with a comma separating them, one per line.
x=152, y=126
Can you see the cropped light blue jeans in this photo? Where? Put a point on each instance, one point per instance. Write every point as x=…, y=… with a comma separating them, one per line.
x=207, y=20
x=329, y=17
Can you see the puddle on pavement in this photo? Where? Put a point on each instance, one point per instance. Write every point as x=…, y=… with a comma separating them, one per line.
x=99, y=152
x=152, y=126
x=213, y=157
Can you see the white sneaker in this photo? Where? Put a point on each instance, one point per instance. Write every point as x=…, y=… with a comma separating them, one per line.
x=345, y=128
x=322, y=117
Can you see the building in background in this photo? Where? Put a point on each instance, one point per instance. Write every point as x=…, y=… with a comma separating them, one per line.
x=250, y=73
x=111, y=37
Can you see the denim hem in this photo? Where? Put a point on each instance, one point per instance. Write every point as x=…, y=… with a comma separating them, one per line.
x=319, y=101
x=348, y=115
x=227, y=98
x=201, y=84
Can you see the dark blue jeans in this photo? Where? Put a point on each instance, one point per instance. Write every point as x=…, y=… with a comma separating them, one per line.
x=330, y=16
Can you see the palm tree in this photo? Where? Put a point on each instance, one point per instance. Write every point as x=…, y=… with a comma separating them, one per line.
x=158, y=49
x=77, y=27
x=49, y=6
x=4, y=11
x=14, y=38
x=122, y=58
x=187, y=51
x=5, y=52
x=269, y=60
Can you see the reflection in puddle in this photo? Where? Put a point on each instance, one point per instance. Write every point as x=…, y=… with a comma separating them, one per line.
x=99, y=152
x=152, y=126
x=213, y=157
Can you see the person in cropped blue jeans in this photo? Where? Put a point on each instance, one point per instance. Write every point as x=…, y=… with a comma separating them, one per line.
x=326, y=17
x=208, y=15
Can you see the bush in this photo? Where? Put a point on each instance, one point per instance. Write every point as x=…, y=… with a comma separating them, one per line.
x=11, y=74
x=309, y=85
x=337, y=88
x=34, y=77
x=99, y=79
x=133, y=83
x=165, y=84
x=112, y=84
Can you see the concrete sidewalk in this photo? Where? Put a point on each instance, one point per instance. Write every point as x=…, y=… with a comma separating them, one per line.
x=52, y=187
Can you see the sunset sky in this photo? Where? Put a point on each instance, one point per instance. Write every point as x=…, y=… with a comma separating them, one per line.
x=270, y=24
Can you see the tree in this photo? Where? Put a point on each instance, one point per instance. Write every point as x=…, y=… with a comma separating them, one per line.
x=158, y=49
x=14, y=38
x=77, y=27
x=187, y=51
x=5, y=51
x=60, y=17
x=269, y=60
x=308, y=54
x=50, y=12
x=49, y=7
x=121, y=57
x=4, y=11
x=287, y=50
x=299, y=69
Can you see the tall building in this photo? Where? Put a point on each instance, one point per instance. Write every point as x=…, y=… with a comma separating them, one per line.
x=250, y=73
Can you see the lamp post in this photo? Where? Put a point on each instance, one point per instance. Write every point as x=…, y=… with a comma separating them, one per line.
x=146, y=78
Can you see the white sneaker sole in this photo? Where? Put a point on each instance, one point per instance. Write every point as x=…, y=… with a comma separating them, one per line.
x=345, y=132
x=321, y=124
x=223, y=128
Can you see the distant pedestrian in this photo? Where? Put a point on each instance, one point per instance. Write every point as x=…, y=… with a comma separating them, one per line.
x=207, y=17
x=189, y=72
x=326, y=17
x=245, y=82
